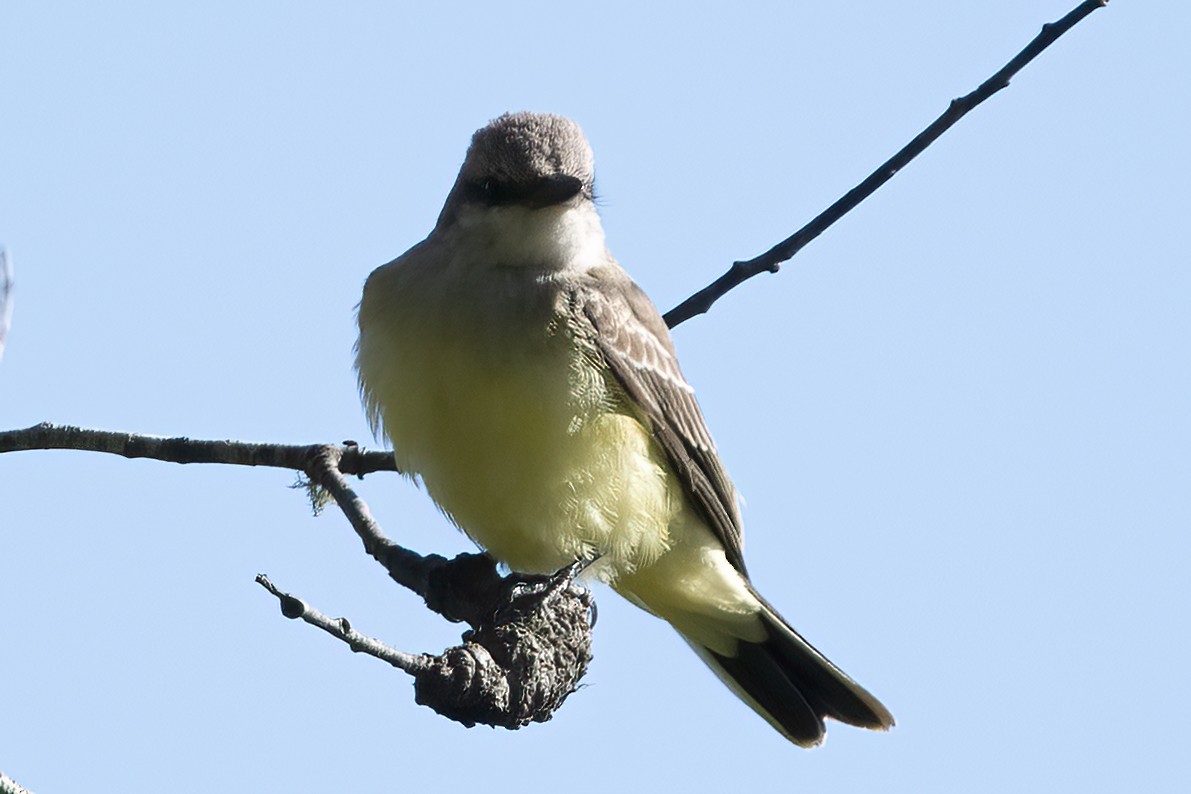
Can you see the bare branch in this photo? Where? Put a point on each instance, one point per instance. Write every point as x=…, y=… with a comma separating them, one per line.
x=352, y=460
x=294, y=609
x=771, y=260
x=530, y=640
x=515, y=668
x=467, y=588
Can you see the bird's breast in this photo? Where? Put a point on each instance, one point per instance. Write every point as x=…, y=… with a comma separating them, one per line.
x=506, y=414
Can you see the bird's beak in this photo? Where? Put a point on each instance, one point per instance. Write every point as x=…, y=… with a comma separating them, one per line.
x=551, y=190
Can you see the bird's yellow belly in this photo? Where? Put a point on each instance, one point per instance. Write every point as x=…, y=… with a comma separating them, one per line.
x=526, y=451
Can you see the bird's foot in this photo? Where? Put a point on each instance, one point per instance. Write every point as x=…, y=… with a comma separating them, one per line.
x=546, y=585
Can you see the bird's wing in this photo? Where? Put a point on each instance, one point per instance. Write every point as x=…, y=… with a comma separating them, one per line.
x=631, y=336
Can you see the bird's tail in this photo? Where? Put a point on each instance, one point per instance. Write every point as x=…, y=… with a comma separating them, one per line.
x=715, y=608
x=754, y=650
x=789, y=683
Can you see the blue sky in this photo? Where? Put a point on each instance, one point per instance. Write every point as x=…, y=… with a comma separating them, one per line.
x=959, y=419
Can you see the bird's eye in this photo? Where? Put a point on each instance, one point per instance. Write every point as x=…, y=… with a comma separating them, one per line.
x=490, y=191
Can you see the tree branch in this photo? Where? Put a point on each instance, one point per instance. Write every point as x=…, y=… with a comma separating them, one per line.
x=771, y=260
x=530, y=638
x=467, y=588
x=517, y=667
x=294, y=609
x=464, y=589
x=353, y=460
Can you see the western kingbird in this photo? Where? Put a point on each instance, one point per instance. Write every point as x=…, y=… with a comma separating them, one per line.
x=534, y=389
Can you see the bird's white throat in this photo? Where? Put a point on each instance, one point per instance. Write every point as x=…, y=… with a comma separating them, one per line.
x=563, y=236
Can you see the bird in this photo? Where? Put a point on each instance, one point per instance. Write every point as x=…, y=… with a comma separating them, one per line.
x=534, y=390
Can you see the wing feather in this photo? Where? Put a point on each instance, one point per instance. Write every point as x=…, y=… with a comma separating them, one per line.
x=629, y=332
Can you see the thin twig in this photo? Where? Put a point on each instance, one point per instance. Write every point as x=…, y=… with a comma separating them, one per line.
x=467, y=588
x=771, y=260
x=408, y=568
x=340, y=628
x=323, y=468
x=515, y=669
x=352, y=459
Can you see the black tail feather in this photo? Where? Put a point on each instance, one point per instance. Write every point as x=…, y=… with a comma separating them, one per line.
x=794, y=686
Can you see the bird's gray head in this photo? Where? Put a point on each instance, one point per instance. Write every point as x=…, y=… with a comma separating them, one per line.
x=533, y=160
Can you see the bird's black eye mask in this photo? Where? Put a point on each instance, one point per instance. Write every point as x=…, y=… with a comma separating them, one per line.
x=544, y=191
